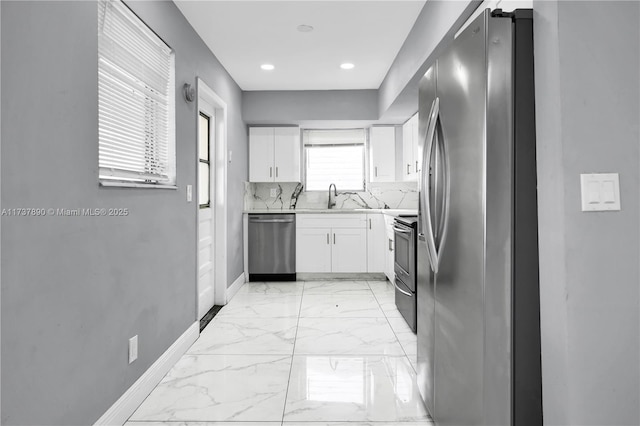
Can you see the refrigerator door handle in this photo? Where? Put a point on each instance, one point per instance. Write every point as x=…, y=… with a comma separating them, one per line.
x=426, y=199
x=444, y=223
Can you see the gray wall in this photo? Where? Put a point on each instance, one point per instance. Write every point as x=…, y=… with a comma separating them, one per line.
x=587, y=106
x=279, y=107
x=433, y=30
x=75, y=289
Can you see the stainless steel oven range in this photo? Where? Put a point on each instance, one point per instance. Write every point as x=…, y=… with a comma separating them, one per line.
x=405, y=230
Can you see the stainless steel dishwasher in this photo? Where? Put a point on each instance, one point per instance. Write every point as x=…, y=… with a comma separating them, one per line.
x=272, y=247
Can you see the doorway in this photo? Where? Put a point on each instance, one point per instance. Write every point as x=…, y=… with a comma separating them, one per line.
x=206, y=228
x=211, y=195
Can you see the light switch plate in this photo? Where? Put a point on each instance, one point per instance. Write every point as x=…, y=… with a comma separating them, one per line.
x=600, y=192
x=189, y=193
x=133, y=349
x=274, y=192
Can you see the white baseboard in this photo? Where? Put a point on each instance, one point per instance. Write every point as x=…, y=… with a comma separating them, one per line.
x=233, y=288
x=127, y=404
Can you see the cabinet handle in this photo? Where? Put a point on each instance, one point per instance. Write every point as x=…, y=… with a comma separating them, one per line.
x=376, y=171
x=416, y=167
x=390, y=244
x=369, y=223
x=334, y=239
x=270, y=171
x=327, y=238
x=276, y=171
x=408, y=165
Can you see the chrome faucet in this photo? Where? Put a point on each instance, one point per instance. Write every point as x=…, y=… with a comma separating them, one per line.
x=335, y=194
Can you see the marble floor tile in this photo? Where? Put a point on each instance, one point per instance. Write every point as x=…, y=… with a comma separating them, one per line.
x=220, y=388
x=370, y=336
x=340, y=306
x=284, y=287
x=257, y=305
x=381, y=287
x=413, y=359
x=339, y=287
x=388, y=305
x=135, y=423
x=407, y=338
x=229, y=335
x=353, y=389
x=353, y=364
x=416, y=423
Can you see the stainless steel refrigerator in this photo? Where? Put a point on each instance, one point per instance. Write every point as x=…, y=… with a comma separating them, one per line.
x=478, y=295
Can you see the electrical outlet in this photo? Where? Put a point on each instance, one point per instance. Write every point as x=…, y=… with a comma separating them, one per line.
x=133, y=349
x=189, y=193
x=274, y=192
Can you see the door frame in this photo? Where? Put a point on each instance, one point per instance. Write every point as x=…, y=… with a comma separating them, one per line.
x=218, y=185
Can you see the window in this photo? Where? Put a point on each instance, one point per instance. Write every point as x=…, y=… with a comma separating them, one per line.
x=204, y=164
x=136, y=101
x=334, y=156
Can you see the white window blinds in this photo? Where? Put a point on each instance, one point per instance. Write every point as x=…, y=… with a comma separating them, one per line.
x=136, y=99
x=334, y=156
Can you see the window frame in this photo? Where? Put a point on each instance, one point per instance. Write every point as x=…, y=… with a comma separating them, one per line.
x=207, y=161
x=125, y=178
x=364, y=159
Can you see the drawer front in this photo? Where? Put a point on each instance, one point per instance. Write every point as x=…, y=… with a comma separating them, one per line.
x=331, y=220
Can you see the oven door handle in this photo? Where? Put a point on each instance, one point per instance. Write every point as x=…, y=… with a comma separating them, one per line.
x=402, y=231
x=401, y=290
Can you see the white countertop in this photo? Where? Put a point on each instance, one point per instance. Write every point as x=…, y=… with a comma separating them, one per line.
x=389, y=212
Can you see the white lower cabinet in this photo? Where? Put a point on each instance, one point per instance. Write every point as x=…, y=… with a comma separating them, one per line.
x=331, y=243
x=389, y=264
x=313, y=250
x=349, y=250
x=376, y=243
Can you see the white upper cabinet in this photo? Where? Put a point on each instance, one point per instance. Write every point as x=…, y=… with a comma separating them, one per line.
x=410, y=160
x=274, y=154
x=382, y=154
x=287, y=154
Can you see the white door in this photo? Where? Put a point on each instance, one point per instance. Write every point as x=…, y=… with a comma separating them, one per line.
x=206, y=150
x=349, y=250
x=261, y=153
x=313, y=250
x=287, y=154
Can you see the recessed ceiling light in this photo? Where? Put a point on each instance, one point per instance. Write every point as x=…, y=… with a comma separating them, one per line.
x=267, y=67
x=347, y=66
x=305, y=28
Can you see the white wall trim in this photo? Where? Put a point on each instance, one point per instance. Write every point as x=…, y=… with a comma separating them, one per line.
x=127, y=404
x=233, y=288
x=220, y=193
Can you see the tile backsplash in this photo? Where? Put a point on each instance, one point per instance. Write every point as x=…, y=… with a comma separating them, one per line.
x=395, y=195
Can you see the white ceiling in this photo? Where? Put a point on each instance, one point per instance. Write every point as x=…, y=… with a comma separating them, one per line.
x=245, y=34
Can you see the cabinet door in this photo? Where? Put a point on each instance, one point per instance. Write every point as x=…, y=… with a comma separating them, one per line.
x=376, y=243
x=415, y=129
x=313, y=250
x=349, y=250
x=408, y=165
x=383, y=154
x=287, y=154
x=261, y=152
x=389, y=264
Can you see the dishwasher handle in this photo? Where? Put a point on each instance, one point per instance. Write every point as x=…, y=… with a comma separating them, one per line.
x=260, y=220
